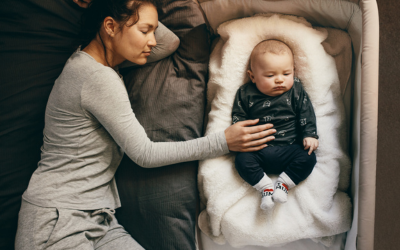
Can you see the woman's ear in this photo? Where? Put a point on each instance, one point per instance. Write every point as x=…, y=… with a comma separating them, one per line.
x=251, y=75
x=110, y=26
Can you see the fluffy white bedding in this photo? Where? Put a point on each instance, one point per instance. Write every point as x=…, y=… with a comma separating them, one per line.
x=317, y=208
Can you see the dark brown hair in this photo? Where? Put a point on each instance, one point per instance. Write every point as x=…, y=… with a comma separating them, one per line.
x=120, y=10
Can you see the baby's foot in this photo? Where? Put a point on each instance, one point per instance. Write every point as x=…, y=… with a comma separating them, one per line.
x=266, y=188
x=266, y=200
x=281, y=192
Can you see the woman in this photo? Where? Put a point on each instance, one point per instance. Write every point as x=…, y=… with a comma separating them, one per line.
x=89, y=124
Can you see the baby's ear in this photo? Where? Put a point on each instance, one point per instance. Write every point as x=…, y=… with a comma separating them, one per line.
x=250, y=75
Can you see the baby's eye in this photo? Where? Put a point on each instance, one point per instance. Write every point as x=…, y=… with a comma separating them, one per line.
x=269, y=75
x=287, y=74
x=144, y=32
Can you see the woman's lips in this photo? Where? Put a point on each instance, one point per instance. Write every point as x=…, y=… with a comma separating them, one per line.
x=146, y=53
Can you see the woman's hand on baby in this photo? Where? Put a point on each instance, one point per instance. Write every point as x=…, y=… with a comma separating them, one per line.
x=82, y=3
x=242, y=138
x=311, y=144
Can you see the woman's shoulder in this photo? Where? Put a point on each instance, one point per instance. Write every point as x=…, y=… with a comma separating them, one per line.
x=84, y=68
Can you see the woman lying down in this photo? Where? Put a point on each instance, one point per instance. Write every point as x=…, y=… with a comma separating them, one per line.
x=89, y=124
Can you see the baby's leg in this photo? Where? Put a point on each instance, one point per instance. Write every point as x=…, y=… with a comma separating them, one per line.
x=299, y=167
x=248, y=167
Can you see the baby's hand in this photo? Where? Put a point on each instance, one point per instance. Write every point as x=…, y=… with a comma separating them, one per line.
x=310, y=143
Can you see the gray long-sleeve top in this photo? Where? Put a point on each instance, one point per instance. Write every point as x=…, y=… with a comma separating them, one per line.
x=89, y=124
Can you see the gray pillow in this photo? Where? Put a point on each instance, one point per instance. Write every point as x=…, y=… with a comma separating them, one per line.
x=168, y=98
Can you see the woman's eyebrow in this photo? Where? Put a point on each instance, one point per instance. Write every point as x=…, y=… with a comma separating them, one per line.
x=150, y=25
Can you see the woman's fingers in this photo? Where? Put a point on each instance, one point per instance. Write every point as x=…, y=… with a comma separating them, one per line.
x=240, y=137
x=248, y=122
x=258, y=142
x=262, y=134
x=259, y=128
x=258, y=136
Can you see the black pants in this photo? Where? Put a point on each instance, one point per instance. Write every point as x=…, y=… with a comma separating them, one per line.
x=291, y=159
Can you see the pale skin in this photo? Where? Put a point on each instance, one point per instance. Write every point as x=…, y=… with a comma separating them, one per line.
x=273, y=75
x=134, y=43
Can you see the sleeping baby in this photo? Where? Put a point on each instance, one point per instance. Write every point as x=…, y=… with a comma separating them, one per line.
x=276, y=96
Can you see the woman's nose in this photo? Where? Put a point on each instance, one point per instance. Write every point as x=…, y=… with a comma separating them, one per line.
x=152, y=41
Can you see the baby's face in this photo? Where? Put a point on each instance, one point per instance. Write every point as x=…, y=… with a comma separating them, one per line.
x=272, y=74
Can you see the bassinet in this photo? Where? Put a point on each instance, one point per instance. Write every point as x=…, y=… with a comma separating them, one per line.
x=360, y=20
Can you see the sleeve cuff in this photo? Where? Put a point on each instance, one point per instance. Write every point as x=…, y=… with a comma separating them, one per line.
x=223, y=143
x=311, y=135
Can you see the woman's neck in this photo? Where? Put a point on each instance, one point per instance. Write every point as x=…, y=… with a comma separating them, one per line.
x=96, y=49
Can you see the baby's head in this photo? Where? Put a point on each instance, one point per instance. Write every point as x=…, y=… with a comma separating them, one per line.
x=272, y=67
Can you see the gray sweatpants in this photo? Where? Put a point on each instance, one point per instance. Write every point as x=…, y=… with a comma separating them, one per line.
x=58, y=228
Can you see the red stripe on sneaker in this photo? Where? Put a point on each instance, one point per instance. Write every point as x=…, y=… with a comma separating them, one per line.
x=283, y=184
x=268, y=190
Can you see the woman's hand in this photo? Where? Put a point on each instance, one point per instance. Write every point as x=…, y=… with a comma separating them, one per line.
x=82, y=3
x=242, y=138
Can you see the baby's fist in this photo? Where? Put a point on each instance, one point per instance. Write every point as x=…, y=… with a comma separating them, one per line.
x=311, y=144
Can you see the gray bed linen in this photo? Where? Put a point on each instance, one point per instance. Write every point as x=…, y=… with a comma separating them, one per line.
x=168, y=98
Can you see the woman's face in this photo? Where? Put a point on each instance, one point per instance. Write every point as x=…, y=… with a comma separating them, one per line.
x=134, y=43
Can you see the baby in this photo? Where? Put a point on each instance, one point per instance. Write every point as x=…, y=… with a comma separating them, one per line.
x=276, y=96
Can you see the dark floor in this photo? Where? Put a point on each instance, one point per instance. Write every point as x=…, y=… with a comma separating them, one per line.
x=387, y=218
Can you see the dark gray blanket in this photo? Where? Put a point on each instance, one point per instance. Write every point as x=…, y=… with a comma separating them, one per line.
x=168, y=98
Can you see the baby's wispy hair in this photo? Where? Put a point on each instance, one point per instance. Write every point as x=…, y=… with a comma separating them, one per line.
x=270, y=46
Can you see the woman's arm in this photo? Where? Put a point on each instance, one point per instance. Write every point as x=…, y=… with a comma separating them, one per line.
x=105, y=98
x=167, y=43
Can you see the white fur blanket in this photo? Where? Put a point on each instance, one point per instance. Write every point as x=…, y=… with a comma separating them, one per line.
x=317, y=208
